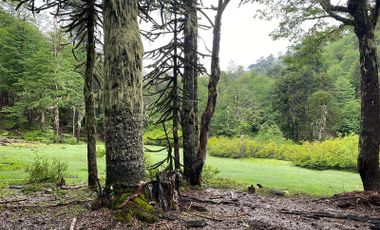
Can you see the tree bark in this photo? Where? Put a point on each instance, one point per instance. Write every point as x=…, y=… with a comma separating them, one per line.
x=189, y=110
x=73, y=125
x=79, y=124
x=177, y=163
x=212, y=96
x=368, y=159
x=56, y=122
x=89, y=99
x=123, y=53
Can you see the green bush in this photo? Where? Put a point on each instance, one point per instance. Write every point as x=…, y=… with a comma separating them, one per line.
x=335, y=153
x=41, y=171
x=100, y=151
x=45, y=136
x=69, y=139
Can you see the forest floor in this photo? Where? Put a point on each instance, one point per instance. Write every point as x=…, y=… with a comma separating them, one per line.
x=202, y=208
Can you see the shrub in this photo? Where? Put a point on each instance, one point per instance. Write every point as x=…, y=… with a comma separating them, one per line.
x=41, y=171
x=100, y=151
x=335, y=153
x=209, y=173
x=69, y=139
x=45, y=136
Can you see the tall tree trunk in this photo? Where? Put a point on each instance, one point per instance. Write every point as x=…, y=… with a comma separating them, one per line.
x=89, y=99
x=177, y=163
x=43, y=119
x=79, y=124
x=123, y=53
x=189, y=110
x=368, y=159
x=73, y=125
x=212, y=95
x=56, y=122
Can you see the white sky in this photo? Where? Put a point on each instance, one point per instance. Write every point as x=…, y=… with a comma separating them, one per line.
x=244, y=39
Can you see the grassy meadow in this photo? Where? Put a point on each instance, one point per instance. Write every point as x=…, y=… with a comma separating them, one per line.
x=268, y=172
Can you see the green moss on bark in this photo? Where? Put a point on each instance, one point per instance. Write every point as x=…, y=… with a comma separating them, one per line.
x=138, y=208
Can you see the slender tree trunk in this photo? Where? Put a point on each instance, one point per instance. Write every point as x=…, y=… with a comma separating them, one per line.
x=189, y=110
x=212, y=96
x=73, y=126
x=89, y=99
x=368, y=159
x=79, y=124
x=177, y=163
x=56, y=122
x=123, y=53
x=43, y=119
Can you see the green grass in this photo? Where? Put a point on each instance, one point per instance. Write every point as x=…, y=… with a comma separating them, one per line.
x=267, y=172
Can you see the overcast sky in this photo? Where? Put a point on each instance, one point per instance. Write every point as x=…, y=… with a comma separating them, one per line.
x=244, y=39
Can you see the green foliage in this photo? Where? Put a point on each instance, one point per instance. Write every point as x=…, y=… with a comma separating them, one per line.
x=209, y=174
x=68, y=139
x=41, y=171
x=44, y=136
x=100, y=151
x=269, y=132
x=337, y=153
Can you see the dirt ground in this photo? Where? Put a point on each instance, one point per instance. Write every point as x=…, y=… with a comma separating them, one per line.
x=204, y=209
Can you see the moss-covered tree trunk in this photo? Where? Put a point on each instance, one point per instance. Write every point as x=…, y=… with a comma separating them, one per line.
x=89, y=99
x=123, y=53
x=189, y=104
x=368, y=159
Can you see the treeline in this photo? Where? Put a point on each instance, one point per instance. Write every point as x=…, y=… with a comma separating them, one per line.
x=41, y=85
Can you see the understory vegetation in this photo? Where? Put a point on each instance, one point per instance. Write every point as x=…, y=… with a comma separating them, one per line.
x=335, y=153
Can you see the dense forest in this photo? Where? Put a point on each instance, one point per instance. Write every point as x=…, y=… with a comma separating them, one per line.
x=146, y=128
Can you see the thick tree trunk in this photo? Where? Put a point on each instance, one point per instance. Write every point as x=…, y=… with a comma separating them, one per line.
x=89, y=99
x=189, y=110
x=368, y=159
x=212, y=96
x=123, y=53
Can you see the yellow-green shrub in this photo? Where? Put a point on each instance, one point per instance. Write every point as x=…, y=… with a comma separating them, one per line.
x=335, y=153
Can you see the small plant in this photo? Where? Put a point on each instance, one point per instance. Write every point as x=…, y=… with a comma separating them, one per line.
x=42, y=171
x=209, y=173
x=69, y=139
x=100, y=152
x=45, y=136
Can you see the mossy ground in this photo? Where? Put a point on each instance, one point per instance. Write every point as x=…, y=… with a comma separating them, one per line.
x=138, y=208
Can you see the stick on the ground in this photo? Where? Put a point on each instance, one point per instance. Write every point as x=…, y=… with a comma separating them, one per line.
x=12, y=201
x=321, y=214
x=73, y=223
x=136, y=193
x=15, y=187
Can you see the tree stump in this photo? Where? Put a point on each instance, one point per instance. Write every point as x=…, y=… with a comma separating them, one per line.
x=165, y=189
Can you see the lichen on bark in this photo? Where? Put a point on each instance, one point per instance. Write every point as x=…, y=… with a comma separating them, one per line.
x=123, y=103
